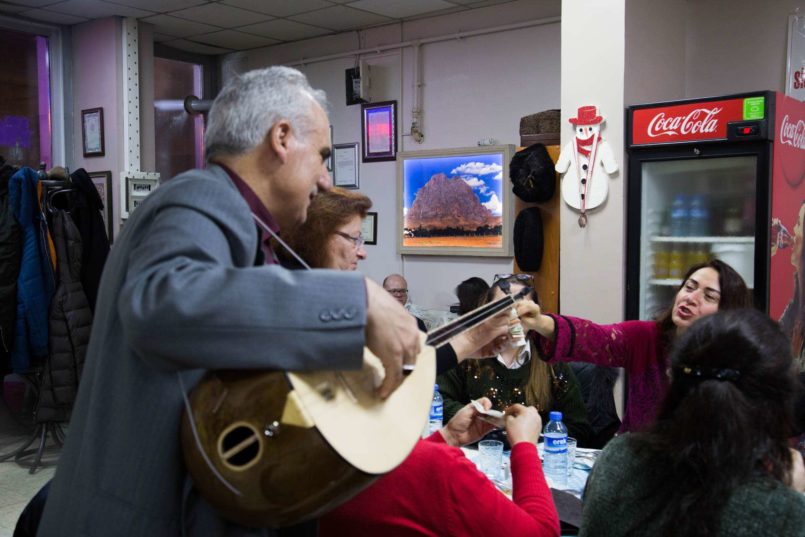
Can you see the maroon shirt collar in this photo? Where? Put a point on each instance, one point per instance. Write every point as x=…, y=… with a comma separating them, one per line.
x=259, y=211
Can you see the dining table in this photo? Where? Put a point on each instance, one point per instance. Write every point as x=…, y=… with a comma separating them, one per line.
x=567, y=493
x=583, y=463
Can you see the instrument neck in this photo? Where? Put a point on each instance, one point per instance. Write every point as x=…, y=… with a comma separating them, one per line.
x=445, y=333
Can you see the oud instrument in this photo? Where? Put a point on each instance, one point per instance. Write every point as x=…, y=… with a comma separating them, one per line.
x=275, y=448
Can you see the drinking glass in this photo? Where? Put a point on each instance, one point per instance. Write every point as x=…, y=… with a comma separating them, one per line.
x=571, y=454
x=491, y=457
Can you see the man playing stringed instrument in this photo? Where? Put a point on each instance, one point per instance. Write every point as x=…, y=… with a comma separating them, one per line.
x=192, y=285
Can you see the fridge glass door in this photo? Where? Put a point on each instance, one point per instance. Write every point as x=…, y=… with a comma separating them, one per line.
x=693, y=210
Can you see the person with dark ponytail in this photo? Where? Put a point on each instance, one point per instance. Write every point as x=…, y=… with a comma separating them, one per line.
x=717, y=460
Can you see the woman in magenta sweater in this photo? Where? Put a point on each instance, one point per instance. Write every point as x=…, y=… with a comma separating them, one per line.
x=640, y=347
x=437, y=491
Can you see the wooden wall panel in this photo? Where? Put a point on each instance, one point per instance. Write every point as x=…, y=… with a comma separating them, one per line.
x=547, y=278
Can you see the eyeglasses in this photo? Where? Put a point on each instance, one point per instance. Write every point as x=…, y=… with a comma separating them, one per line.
x=357, y=241
x=398, y=291
x=504, y=281
x=526, y=278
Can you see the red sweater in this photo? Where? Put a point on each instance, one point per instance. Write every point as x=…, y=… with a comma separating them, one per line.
x=437, y=491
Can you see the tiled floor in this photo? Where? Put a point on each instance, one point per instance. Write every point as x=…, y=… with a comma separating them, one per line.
x=17, y=485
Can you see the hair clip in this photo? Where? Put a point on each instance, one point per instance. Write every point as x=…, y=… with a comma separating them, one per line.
x=709, y=373
x=560, y=381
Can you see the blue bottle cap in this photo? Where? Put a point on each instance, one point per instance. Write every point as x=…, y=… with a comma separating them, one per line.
x=436, y=387
x=555, y=415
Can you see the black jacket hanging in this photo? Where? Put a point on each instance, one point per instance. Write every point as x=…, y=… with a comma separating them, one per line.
x=69, y=326
x=85, y=210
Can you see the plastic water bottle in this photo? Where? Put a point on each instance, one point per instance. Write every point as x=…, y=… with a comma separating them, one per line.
x=436, y=411
x=699, y=216
x=555, y=454
x=680, y=216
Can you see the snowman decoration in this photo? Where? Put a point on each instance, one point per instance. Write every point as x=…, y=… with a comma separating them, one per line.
x=585, y=162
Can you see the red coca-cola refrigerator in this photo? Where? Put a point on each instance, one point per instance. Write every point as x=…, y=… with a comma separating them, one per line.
x=717, y=177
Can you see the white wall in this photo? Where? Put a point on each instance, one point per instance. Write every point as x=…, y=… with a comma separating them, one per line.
x=654, y=67
x=592, y=259
x=736, y=46
x=474, y=88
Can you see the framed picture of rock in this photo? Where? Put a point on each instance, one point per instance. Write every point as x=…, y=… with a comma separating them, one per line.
x=455, y=202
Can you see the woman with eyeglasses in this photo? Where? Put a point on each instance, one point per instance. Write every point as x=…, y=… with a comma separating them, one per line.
x=640, y=347
x=517, y=375
x=331, y=235
x=331, y=238
x=716, y=462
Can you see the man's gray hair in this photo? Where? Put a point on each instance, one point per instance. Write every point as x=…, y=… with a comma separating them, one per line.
x=249, y=105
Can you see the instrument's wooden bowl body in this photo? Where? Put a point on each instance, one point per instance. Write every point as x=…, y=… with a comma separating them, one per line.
x=283, y=474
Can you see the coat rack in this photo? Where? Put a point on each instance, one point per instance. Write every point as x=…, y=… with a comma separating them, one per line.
x=57, y=180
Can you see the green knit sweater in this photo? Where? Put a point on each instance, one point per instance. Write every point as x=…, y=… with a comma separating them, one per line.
x=619, y=492
x=472, y=379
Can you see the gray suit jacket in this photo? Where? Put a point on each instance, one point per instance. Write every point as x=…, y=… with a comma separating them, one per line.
x=180, y=295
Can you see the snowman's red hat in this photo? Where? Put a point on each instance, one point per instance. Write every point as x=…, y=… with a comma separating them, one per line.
x=587, y=115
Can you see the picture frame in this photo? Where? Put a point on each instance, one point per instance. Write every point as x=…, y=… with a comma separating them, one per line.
x=92, y=134
x=482, y=224
x=346, y=172
x=379, y=131
x=369, y=228
x=103, y=184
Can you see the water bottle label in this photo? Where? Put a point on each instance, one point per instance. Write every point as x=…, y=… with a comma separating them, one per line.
x=436, y=412
x=556, y=445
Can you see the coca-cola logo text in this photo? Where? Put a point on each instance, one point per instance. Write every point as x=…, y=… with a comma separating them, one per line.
x=701, y=120
x=792, y=133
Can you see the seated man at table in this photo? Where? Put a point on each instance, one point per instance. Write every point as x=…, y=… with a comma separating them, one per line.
x=397, y=287
x=438, y=491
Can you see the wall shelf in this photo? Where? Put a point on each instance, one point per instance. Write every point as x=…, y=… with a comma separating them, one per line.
x=713, y=239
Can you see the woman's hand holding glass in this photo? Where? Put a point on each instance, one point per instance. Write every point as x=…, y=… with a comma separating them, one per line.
x=532, y=318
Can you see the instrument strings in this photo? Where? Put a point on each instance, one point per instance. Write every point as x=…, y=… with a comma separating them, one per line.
x=290, y=250
x=443, y=334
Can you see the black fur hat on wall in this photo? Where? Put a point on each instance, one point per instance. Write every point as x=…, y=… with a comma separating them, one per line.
x=533, y=174
x=528, y=240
